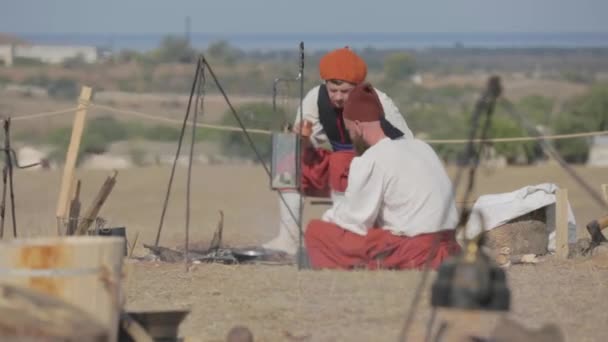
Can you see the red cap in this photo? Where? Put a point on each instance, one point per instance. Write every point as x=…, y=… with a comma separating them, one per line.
x=363, y=104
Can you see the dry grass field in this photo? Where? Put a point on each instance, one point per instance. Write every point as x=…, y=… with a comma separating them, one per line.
x=278, y=301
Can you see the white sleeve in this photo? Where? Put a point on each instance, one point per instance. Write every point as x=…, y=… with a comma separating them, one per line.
x=393, y=115
x=311, y=113
x=358, y=210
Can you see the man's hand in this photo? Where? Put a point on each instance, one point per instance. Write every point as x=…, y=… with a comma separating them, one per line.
x=306, y=129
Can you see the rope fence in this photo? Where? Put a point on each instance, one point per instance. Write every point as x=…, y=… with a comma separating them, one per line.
x=42, y=114
x=152, y=117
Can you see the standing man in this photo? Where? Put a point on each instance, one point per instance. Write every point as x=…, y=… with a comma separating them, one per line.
x=327, y=147
x=398, y=209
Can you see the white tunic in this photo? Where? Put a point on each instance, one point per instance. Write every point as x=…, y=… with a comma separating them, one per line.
x=318, y=137
x=399, y=185
x=288, y=228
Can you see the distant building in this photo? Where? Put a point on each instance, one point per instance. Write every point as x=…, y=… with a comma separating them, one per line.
x=51, y=54
x=6, y=55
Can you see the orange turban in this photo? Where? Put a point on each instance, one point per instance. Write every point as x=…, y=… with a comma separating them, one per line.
x=343, y=64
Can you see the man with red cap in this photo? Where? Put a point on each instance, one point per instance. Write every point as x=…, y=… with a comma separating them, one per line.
x=398, y=209
x=327, y=147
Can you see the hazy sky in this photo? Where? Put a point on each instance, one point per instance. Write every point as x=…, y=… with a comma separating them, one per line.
x=311, y=16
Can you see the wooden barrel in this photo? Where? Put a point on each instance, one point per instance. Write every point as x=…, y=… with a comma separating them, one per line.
x=30, y=315
x=81, y=270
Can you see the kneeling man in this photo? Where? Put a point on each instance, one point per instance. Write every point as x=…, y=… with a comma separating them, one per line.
x=397, y=204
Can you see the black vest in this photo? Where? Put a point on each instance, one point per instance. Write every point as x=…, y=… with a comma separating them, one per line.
x=333, y=122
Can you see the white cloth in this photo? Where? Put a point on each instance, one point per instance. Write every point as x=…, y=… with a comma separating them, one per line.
x=493, y=210
x=319, y=138
x=287, y=239
x=399, y=185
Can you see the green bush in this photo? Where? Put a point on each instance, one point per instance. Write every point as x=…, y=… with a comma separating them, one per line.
x=102, y=131
x=161, y=133
x=174, y=49
x=572, y=150
x=504, y=126
x=75, y=62
x=254, y=115
x=585, y=113
x=536, y=108
x=399, y=66
x=27, y=61
x=40, y=80
x=99, y=133
x=63, y=88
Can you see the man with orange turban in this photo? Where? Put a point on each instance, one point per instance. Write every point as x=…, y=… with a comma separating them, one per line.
x=398, y=209
x=327, y=147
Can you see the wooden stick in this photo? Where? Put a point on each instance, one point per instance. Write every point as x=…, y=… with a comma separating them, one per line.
x=74, y=211
x=72, y=154
x=561, y=224
x=93, y=210
x=133, y=245
x=134, y=329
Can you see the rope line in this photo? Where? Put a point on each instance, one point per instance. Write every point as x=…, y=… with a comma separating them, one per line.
x=517, y=139
x=159, y=118
x=173, y=121
x=42, y=114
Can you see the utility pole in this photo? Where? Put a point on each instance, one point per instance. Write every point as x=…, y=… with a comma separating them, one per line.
x=187, y=33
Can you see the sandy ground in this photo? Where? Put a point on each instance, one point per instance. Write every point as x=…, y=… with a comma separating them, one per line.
x=278, y=300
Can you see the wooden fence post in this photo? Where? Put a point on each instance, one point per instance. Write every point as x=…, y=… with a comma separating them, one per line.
x=561, y=224
x=72, y=155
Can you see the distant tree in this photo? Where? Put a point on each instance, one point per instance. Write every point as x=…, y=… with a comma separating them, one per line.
x=127, y=55
x=75, y=62
x=588, y=112
x=536, y=108
x=399, y=66
x=175, y=49
x=592, y=107
x=503, y=126
x=63, y=88
x=223, y=51
x=572, y=150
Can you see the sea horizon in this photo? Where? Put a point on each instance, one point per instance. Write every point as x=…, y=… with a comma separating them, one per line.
x=325, y=41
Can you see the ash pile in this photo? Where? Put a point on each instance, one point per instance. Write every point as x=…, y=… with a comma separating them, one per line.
x=216, y=252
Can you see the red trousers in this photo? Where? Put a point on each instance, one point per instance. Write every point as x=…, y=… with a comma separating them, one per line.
x=330, y=246
x=323, y=171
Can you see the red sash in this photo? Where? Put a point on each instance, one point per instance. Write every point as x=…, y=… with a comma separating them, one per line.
x=323, y=171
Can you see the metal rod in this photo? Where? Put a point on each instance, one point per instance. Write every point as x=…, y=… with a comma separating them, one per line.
x=200, y=80
x=299, y=162
x=3, y=204
x=9, y=165
x=275, y=83
x=237, y=117
x=179, y=146
x=247, y=135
